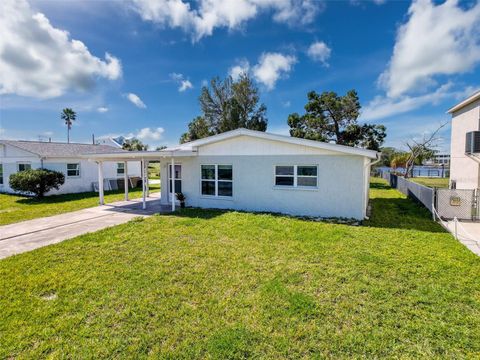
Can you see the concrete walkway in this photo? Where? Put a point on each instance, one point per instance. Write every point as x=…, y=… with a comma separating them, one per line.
x=32, y=234
x=468, y=233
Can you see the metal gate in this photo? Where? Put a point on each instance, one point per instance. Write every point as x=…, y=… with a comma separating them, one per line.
x=457, y=203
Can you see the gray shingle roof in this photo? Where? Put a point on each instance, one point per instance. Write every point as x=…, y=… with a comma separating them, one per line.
x=55, y=149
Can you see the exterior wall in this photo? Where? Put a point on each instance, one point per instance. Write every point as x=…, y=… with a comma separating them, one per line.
x=463, y=169
x=341, y=190
x=83, y=183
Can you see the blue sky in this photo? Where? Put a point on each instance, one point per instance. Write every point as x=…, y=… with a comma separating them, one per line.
x=136, y=67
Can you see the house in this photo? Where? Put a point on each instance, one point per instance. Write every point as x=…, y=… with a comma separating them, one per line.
x=80, y=174
x=465, y=144
x=256, y=171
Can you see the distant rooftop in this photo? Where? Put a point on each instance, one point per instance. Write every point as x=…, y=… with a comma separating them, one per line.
x=467, y=101
x=58, y=149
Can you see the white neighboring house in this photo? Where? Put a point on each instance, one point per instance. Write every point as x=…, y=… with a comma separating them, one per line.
x=256, y=171
x=465, y=144
x=79, y=172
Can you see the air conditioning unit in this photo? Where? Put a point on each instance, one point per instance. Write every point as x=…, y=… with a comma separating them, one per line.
x=472, y=142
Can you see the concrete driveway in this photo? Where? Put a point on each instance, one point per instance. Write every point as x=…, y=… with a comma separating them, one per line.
x=468, y=233
x=32, y=234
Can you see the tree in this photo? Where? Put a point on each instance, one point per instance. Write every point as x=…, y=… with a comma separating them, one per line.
x=421, y=150
x=197, y=129
x=37, y=182
x=388, y=154
x=69, y=116
x=332, y=118
x=134, y=144
x=227, y=105
x=158, y=148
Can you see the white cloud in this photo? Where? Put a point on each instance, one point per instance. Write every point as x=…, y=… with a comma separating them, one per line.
x=183, y=84
x=41, y=61
x=319, y=51
x=383, y=107
x=286, y=104
x=102, y=109
x=147, y=133
x=271, y=67
x=436, y=40
x=242, y=67
x=231, y=14
x=135, y=100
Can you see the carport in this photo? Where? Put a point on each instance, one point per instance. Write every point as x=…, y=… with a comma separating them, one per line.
x=144, y=157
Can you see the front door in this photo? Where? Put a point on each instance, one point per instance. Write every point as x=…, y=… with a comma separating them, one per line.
x=178, y=180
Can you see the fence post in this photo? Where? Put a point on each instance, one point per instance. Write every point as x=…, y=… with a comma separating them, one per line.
x=434, y=194
x=455, y=220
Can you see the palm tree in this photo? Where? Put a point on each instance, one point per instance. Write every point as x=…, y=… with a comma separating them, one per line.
x=69, y=116
x=134, y=144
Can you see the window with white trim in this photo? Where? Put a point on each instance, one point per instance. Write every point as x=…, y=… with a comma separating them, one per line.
x=120, y=168
x=178, y=178
x=1, y=174
x=73, y=170
x=217, y=180
x=296, y=175
x=24, y=166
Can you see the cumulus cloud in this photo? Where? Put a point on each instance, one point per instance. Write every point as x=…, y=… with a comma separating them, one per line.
x=183, y=83
x=102, y=109
x=147, y=133
x=231, y=14
x=242, y=67
x=271, y=67
x=41, y=61
x=436, y=40
x=319, y=51
x=135, y=100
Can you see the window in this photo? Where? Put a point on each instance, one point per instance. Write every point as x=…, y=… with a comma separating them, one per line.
x=1, y=174
x=296, y=175
x=73, y=170
x=217, y=180
x=24, y=166
x=178, y=178
x=120, y=168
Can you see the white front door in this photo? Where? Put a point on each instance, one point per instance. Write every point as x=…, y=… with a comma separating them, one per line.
x=178, y=180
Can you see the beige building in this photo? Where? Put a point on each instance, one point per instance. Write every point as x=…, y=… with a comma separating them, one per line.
x=465, y=144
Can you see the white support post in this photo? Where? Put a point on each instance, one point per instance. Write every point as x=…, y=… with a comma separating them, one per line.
x=144, y=204
x=147, y=187
x=100, y=182
x=125, y=178
x=173, y=184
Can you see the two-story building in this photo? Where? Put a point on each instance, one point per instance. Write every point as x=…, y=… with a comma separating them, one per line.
x=465, y=144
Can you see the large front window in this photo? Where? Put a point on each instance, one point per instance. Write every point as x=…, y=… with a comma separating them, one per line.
x=217, y=180
x=296, y=175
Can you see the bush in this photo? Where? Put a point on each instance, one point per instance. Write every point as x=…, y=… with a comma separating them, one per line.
x=37, y=182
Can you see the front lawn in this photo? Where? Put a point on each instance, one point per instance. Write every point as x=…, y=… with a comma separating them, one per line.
x=214, y=284
x=432, y=182
x=14, y=208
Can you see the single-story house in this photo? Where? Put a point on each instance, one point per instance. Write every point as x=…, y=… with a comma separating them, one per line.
x=257, y=171
x=465, y=144
x=80, y=173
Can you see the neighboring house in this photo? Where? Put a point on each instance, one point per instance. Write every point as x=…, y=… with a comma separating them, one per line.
x=465, y=144
x=115, y=142
x=79, y=173
x=256, y=171
x=438, y=159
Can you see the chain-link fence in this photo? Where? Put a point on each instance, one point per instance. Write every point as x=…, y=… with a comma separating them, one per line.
x=457, y=203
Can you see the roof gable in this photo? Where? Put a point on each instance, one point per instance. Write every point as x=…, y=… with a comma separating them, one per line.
x=307, y=144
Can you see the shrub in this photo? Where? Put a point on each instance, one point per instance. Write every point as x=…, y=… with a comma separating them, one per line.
x=37, y=182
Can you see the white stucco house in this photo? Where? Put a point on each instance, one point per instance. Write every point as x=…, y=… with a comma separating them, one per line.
x=256, y=171
x=465, y=144
x=80, y=173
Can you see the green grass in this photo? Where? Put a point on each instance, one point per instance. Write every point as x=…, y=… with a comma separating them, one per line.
x=220, y=285
x=432, y=182
x=14, y=208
